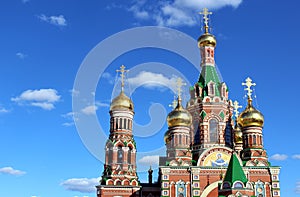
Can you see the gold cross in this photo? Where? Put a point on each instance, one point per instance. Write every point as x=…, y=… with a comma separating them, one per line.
x=236, y=107
x=205, y=14
x=122, y=71
x=248, y=85
x=179, y=83
x=174, y=103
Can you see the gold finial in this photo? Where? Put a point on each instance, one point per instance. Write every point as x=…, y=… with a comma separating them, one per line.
x=205, y=14
x=122, y=71
x=248, y=85
x=174, y=103
x=236, y=107
x=179, y=83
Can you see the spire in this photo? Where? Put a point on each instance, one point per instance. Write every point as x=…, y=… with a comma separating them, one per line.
x=235, y=171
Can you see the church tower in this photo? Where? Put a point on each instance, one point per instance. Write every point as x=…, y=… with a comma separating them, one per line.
x=177, y=138
x=209, y=103
x=120, y=177
x=251, y=122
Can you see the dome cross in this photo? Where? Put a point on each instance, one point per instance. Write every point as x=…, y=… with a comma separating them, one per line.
x=249, y=85
x=205, y=14
x=179, y=84
x=122, y=74
x=236, y=107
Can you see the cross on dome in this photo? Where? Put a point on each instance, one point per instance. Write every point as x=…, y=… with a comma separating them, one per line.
x=205, y=14
x=179, y=84
x=236, y=107
x=122, y=74
x=249, y=85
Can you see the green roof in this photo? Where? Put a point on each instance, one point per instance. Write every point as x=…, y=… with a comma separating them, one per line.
x=235, y=171
x=209, y=73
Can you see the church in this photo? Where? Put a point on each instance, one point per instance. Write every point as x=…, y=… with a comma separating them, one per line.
x=212, y=150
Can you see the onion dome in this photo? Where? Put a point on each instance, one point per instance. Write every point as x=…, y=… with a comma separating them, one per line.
x=238, y=135
x=121, y=102
x=251, y=117
x=207, y=39
x=179, y=116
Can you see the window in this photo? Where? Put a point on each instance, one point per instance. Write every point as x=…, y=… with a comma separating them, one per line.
x=254, y=140
x=129, y=155
x=120, y=123
x=125, y=124
x=120, y=154
x=238, y=185
x=213, y=131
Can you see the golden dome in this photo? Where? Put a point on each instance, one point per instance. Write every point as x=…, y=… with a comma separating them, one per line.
x=121, y=102
x=251, y=117
x=238, y=135
x=179, y=117
x=207, y=39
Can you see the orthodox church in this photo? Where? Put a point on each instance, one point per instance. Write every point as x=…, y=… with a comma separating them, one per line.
x=211, y=149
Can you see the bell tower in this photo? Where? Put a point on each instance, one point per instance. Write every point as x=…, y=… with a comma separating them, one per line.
x=209, y=104
x=120, y=150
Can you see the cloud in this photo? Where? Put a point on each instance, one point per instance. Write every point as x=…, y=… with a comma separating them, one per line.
x=3, y=110
x=108, y=77
x=54, y=20
x=74, y=92
x=175, y=12
x=25, y=1
x=279, y=157
x=297, y=190
x=83, y=185
x=70, y=117
x=11, y=171
x=89, y=110
x=296, y=156
x=21, y=55
x=43, y=98
x=149, y=160
x=152, y=80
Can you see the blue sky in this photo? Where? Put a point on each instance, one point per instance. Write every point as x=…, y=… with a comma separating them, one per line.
x=43, y=48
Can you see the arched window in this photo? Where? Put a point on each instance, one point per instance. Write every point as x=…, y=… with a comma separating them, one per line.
x=129, y=155
x=180, y=139
x=238, y=185
x=125, y=124
x=120, y=154
x=120, y=123
x=213, y=131
x=211, y=89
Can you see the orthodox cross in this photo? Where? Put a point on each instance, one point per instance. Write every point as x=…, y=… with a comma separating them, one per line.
x=205, y=14
x=122, y=71
x=179, y=83
x=174, y=103
x=249, y=85
x=236, y=107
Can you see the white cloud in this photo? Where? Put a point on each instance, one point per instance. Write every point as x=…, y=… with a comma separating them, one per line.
x=54, y=20
x=21, y=55
x=25, y=1
x=149, y=160
x=296, y=156
x=108, y=77
x=83, y=185
x=297, y=190
x=11, y=171
x=3, y=110
x=43, y=98
x=90, y=110
x=74, y=92
x=101, y=104
x=152, y=80
x=176, y=12
x=70, y=118
x=279, y=157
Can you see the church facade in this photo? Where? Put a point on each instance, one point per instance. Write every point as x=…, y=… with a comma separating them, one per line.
x=211, y=149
